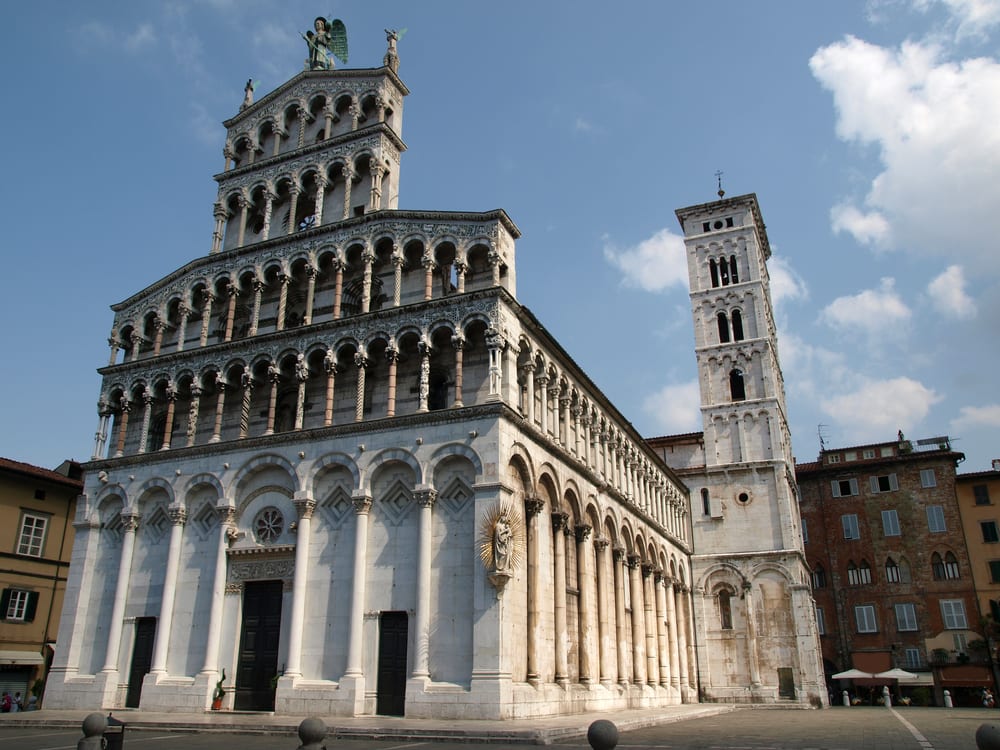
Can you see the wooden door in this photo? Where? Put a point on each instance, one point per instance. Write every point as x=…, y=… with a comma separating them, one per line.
x=142, y=659
x=257, y=663
x=392, y=639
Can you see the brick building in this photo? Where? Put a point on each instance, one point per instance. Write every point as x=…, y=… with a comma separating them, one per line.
x=891, y=573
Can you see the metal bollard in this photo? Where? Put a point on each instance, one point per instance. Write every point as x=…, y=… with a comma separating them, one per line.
x=312, y=732
x=93, y=732
x=947, y=699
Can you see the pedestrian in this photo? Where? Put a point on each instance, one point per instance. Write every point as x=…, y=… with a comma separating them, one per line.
x=5, y=702
x=988, y=701
x=15, y=705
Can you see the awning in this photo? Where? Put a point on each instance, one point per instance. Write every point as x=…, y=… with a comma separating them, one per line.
x=21, y=657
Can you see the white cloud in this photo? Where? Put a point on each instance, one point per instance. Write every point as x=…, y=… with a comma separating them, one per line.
x=654, y=264
x=933, y=122
x=969, y=17
x=675, y=408
x=582, y=126
x=141, y=38
x=786, y=284
x=977, y=416
x=947, y=292
x=876, y=407
x=871, y=310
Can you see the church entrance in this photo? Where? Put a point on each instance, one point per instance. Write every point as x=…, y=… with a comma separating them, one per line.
x=392, y=638
x=142, y=659
x=257, y=663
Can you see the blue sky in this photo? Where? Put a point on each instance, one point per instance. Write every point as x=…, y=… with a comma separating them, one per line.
x=868, y=130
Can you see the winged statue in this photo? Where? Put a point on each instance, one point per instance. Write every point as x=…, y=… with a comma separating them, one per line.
x=327, y=40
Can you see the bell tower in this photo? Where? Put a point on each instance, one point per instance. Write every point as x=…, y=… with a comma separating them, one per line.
x=749, y=574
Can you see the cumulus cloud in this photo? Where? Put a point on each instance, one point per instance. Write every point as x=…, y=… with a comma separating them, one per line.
x=786, y=283
x=947, y=292
x=654, y=264
x=876, y=407
x=675, y=408
x=933, y=123
x=871, y=309
x=977, y=416
x=141, y=38
x=968, y=17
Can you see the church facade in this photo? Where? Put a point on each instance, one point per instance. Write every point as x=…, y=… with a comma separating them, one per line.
x=341, y=470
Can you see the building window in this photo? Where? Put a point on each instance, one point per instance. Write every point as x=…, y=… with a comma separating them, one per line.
x=737, y=325
x=906, y=617
x=859, y=575
x=32, y=537
x=805, y=532
x=706, y=503
x=890, y=523
x=953, y=614
x=819, y=577
x=850, y=523
x=927, y=478
x=733, y=272
x=990, y=532
x=891, y=570
x=935, y=519
x=914, y=659
x=725, y=610
x=951, y=566
x=864, y=616
x=844, y=487
x=982, y=494
x=18, y=605
x=937, y=567
x=994, y=571
x=868, y=453
x=884, y=483
x=713, y=269
x=723, y=322
x=820, y=621
x=737, y=388
x=960, y=642
x=833, y=458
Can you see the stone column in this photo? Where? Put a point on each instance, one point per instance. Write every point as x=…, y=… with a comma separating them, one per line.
x=359, y=401
x=585, y=617
x=425, y=376
x=683, y=619
x=220, y=214
x=246, y=381
x=305, y=506
x=355, y=112
x=101, y=436
x=638, y=629
x=392, y=355
x=310, y=294
x=397, y=276
x=273, y=377
x=661, y=628
x=192, y=426
x=206, y=317
x=244, y=204
x=302, y=376
x=533, y=506
x=429, y=266
x=162, y=640
x=543, y=382
x=136, y=341
x=130, y=522
x=328, y=115
x=649, y=609
x=279, y=133
x=618, y=555
x=494, y=260
x=265, y=232
x=752, y=651
x=147, y=412
x=184, y=312
x=321, y=183
x=348, y=182
x=422, y=616
x=158, y=326
x=495, y=344
x=559, y=527
x=283, y=281
x=258, y=288
x=338, y=287
x=220, y=407
x=168, y=427
x=458, y=342
x=293, y=206
x=303, y=116
x=226, y=515
x=375, y=200
x=115, y=345
x=362, y=506
x=604, y=635
x=330, y=367
x=672, y=635
x=233, y=292
x=461, y=267
x=368, y=257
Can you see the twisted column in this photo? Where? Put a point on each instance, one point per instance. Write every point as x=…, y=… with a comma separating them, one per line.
x=168, y=427
x=220, y=407
x=359, y=402
x=192, y=425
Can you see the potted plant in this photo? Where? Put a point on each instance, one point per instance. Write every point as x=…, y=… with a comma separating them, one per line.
x=219, y=693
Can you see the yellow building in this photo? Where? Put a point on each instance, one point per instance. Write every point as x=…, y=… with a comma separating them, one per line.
x=979, y=503
x=37, y=507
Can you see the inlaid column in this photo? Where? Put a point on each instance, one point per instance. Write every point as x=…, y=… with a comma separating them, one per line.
x=604, y=634
x=183, y=313
x=220, y=214
x=348, y=174
x=458, y=342
x=192, y=426
x=159, y=325
x=302, y=377
x=226, y=534
x=304, y=118
x=328, y=115
x=461, y=268
x=246, y=381
x=304, y=505
x=355, y=112
x=321, y=183
x=115, y=345
x=359, y=580
x=279, y=133
x=206, y=316
x=147, y=414
x=269, y=198
x=375, y=199
x=368, y=258
x=330, y=367
x=533, y=506
x=311, y=272
x=258, y=289
x=663, y=645
x=101, y=436
x=161, y=643
x=338, y=286
x=130, y=522
x=621, y=635
x=429, y=266
x=168, y=427
x=559, y=528
x=233, y=292
x=585, y=617
x=495, y=345
x=425, y=376
x=425, y=497
x=638, y=628
x=220, y=408
x=672, y=636
x=359, y=401
x=293, y=207
x=392, y=355
x=649, y=610
x=136, y=340
x=283, y=280
x=244, y=204
x=397, y=261
x=494, y=261
x=273, y=377
x=564, y=403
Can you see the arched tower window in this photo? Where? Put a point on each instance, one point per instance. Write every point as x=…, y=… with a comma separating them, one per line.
x=737, y=325
x=891, y=570
x=737, y=388
x=725, y=610
x=865, y=572
x=723, y=328
x=706, y=503
x=819, y=577
x=733, y=272
x=713, y=269
x=937, y=567
x=853, y=577
x=724, y=271
x=950, y=566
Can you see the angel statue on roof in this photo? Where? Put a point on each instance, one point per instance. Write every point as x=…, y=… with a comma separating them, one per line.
x=327, y=40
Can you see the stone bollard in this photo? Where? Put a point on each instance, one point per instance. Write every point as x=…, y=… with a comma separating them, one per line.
x=312, y=732
x=988, y=737
x=886, y=697
x=947, y=699
x=602, y=735
x=94, y=727
x=845, y=697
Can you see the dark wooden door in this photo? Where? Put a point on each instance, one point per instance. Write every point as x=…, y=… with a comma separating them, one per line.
x=142, y=659
x=392, y=637
x=257, y=663
x=786, y=683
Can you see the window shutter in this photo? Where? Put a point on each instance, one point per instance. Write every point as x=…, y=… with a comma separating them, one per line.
x=893, y=484
x=30, y=606
x=873, y=482
x=4, y=603
x=854, y=486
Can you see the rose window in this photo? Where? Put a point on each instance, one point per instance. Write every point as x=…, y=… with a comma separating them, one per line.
x=268, y=525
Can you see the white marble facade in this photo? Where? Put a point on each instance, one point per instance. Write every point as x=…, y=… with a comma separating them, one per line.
x=338, y=460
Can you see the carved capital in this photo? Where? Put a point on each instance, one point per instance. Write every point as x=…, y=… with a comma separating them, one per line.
x=601, y=543
x=178, y=515
x=560, y=520
x=618, y=553
x=647, y=570
x=425, y=498
x=632, y=561
x=583, y=531
x=130, y=520
x=362, y=504
x=305, y=506
x=533, y=506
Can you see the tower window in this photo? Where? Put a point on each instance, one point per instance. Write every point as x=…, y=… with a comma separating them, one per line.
x=737, y=388
x=729, y=221
x=713, y=269
x=732, y=269
x=725, y=610
x=724, y=271
x=706, y=504
x=723, y=328
x=737, y=326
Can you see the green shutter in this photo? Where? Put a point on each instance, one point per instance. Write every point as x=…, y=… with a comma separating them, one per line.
x=30, y=606
x=4, y=603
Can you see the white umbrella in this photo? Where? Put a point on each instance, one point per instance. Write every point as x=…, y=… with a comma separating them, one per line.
x=898, y=674
x=853, y=674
